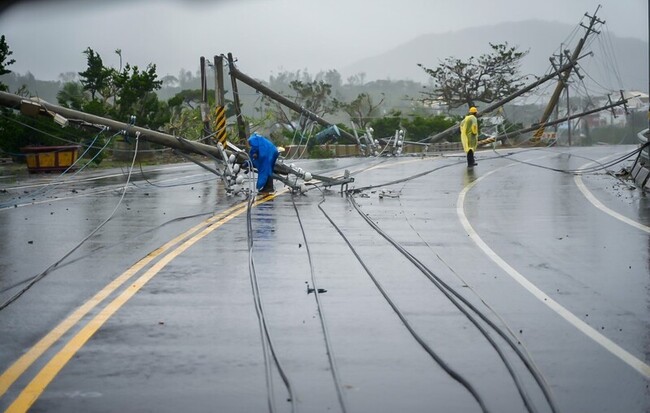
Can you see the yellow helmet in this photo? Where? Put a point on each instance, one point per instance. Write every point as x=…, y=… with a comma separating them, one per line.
x=473, y=110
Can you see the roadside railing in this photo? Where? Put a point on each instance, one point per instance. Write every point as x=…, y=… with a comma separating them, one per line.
x=643, y=139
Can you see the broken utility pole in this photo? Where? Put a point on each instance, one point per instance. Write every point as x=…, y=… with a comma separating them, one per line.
x=562, y=83
x=205, y=118
x=565, y=119
x=236, y=74
x=241, y=125
x=34, y=107
x=490, y=108
x=45, y=108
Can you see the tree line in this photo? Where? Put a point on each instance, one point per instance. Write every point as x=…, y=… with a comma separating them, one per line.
x=126, y=91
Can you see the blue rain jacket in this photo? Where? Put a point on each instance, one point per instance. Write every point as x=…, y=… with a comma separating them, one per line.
x=263, y=154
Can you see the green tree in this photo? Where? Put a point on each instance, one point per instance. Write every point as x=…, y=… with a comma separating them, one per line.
x=185, y=122
x=314, y=96
x=10, y=130
x=185, y=115
x=332, y=77
x=421, y=127
x=96, y=78
x=387, y=125
x=188, y=97
x=72, y=95
x=4, y=62
x=358, y=79
x=417, y=128
x=486, y=79
x=135, y=93
x=13, y=131
x=362, y=109
x=119, y=94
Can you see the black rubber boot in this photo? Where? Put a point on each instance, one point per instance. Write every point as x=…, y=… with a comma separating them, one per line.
x=470, y=158
x=268, y=186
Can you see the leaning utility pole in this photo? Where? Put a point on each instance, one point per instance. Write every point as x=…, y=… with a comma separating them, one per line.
x=236, y=74
x=43, y=108
x=36, y=108
x=205, y=118
x=568, y=118
x=490, y=108
x=241, y=126
x=562, y=83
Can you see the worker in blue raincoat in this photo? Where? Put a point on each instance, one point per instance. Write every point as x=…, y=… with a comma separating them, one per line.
x=263, y=155
x=469, y=135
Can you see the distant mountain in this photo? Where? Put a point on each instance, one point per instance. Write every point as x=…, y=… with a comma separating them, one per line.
x=542, y=38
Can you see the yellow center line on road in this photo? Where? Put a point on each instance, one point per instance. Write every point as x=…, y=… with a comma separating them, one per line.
x=35, y=388
x=14, y=371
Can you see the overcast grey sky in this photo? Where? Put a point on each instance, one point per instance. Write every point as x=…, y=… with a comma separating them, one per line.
x=266, y=36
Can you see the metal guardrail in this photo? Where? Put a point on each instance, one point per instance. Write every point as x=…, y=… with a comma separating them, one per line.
x=643, y=139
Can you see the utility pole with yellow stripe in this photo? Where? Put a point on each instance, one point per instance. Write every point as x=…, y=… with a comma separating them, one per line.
x=220, y=111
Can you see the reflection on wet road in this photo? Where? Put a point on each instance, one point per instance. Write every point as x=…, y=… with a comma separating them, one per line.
x=501, y=288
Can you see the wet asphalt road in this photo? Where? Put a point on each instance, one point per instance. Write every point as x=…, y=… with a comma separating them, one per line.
x=133, y=322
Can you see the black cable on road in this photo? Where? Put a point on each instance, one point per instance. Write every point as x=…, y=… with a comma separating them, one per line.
x=451, y=372
x=466, y=284
x=270, y=394
x=448, y=292
x=397, y=181
x=264, y=329
x=106, y=247
x=446, y=289
x=583, y=171
x=44, y=190
x=321, y=314
x=42, y=275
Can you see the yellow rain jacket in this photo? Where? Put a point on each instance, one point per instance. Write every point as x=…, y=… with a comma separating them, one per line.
x=469, y=132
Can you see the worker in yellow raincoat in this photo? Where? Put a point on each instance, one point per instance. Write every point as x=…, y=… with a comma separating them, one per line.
x=469, y=135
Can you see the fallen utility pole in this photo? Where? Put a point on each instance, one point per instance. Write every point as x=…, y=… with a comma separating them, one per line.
x=234, y=72
x=40, y=107
x=536, y=126
x=45, y=108
x=490, y=108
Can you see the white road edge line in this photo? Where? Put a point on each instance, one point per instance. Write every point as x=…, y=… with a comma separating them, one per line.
x=595, y=202
x=589, y=331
